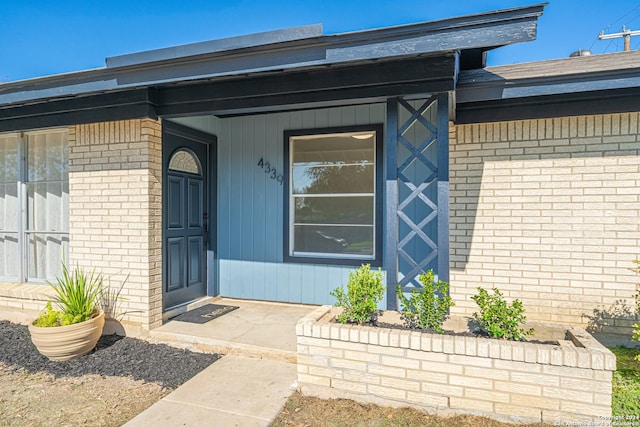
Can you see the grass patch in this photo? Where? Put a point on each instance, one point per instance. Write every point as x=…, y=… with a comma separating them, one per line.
x=626, y=382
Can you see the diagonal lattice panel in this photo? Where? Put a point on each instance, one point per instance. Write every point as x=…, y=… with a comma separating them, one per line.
x=417, y=210
x=416, y=154
x=418, y=191
x=417, y=268
x=417, y=230
x=417, y=115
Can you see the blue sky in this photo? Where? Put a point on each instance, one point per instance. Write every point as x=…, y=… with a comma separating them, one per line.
x=49, y=37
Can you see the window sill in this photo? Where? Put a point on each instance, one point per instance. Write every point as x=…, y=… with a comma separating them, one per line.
x=347, y=262
x=25, y=291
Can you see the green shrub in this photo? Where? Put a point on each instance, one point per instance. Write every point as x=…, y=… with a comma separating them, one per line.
x=364, y=290
x=77, y=293
x=77, y=296
x=499, y=319
x=626, y=382
x=426, y=308
x=50, y=318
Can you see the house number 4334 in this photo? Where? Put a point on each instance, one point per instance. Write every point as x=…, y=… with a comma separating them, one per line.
x=271, y=171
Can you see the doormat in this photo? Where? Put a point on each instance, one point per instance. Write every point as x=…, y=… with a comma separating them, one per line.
x=204, y=314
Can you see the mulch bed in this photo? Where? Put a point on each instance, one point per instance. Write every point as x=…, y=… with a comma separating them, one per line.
x=476, y=333
x=114, y=356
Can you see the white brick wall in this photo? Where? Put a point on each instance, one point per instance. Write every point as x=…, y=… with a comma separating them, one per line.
x=115, y=210
x=547, y=211
x=21, y=302
x=502, y=379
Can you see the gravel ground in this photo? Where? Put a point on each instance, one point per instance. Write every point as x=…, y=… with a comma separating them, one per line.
x=119, y=379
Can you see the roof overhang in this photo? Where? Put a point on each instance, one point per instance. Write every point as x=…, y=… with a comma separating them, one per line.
x=271, y=71
x=557, y=88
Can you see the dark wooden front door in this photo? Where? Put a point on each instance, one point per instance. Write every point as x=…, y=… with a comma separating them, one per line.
x=186, y=217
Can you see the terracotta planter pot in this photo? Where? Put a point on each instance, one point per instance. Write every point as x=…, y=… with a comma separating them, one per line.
x=68, y=342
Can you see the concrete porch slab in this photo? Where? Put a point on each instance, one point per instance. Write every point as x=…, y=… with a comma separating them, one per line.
x=258, y=329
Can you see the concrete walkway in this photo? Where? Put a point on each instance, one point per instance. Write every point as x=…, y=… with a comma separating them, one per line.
x=234, y=391
x=249, y=385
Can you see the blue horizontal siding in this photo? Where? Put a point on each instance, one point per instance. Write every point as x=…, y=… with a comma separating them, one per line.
x=250, y=205
x=296, y=283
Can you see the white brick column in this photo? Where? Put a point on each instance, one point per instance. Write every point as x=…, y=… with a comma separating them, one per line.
x=115, y=210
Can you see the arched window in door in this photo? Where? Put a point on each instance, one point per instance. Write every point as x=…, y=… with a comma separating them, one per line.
x=184, y=160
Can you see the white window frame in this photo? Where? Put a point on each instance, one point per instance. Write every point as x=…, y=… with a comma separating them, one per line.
x=335, y=258
x=22, y=194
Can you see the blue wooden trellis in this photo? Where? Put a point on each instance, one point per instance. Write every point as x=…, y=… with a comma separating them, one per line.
x=417, y=192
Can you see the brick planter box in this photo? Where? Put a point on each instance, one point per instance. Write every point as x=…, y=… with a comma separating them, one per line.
x=519, y=381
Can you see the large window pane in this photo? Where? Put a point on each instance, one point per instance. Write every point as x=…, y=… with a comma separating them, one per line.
x=45, y=255
x=47, y=157
x=9, y=256
x=330, y=149
x=48, y=206
x=343, y=240
x=47, y=203
x=34, y=204
x=332, y=200
x=355, y=178
x=9, y=208
x=9, y=183
x=8, y=158
x=334, y=210
x=9, y=250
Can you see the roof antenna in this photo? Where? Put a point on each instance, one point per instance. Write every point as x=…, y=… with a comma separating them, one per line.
x=625, y=33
